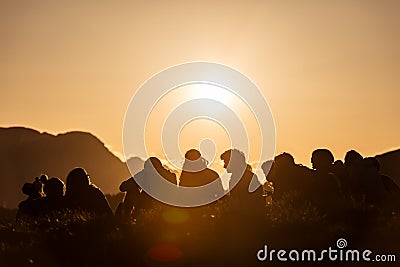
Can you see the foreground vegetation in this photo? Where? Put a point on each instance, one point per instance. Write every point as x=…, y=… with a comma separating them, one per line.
x=216, y=235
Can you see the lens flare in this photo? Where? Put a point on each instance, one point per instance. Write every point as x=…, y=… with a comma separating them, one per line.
x=164, y=252
x=175, y=216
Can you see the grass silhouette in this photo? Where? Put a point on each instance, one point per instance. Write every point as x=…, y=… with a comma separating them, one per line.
x=214, y=235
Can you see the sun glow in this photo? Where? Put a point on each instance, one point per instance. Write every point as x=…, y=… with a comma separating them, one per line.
x=209, y=91
x=194, y=132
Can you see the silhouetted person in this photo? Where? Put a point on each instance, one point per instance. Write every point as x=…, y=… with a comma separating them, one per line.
x=81, y=194
x=390, y=186
x=136, y=198
x=352, y=157
x=54, y=196
x=371, y=183
x=29, y=207
x=196, y=173
x=322, y=160
x=339, y=170
x=289, y=178
x=241, y=177
x=325, y=188
x=353, y=162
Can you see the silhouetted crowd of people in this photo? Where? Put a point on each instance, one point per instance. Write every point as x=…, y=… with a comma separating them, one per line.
x=326, y=185
x=46, y=196
x=330, y=183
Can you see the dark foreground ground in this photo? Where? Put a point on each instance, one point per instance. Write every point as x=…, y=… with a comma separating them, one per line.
x=207, y=236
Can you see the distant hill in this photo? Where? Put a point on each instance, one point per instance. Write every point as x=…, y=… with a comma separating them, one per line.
x=390, y=164
x=27, y=153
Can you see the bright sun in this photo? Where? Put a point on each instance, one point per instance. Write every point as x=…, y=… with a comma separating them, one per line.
x=194, y=132
x=208, y=91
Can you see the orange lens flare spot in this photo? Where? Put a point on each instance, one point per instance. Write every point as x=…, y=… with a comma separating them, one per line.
x=175, y=215
x=164, y=253
x=169, y=236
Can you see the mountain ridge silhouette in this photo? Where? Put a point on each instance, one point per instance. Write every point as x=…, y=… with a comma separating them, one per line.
x=26, y=153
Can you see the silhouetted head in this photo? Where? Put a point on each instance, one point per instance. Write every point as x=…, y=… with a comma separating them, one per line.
x=153, y=163
x=77, y=180
x=374, y=162
x=154, y=166
x=338, y=163
x=322, y=159
x=43, y=178
x=192, y=154
x=194, y=162
x=234, y=160
x=29, y=189
x=351, y=157
x=54, y=187
x=284, y=160
x=338, y=168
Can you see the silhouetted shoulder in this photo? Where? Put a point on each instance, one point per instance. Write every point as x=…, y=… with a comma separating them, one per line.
x=98, y=201
x=169, y=176
x=211, y=175
x=390, y=185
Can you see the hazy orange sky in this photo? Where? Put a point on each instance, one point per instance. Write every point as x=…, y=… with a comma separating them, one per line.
x=329, y=69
